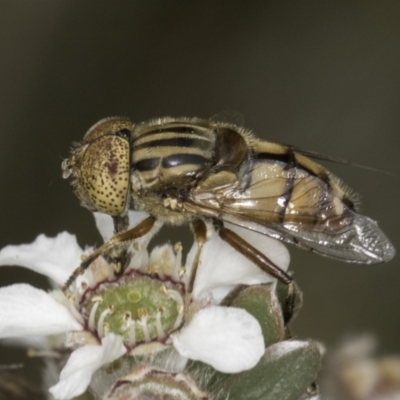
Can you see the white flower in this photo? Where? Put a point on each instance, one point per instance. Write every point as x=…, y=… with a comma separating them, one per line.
x=222, y=267
x=26, y=311
x=55, y=258
x=227, y=338
x=83, y=362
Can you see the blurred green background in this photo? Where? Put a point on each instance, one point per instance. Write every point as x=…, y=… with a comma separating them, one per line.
x=322, y=75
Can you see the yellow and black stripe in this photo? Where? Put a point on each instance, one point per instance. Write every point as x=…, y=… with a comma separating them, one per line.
x=171, y=152
x=290, y=188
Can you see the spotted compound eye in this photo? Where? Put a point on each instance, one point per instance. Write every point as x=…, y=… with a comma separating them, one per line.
x=105, y=174
x=100, y=166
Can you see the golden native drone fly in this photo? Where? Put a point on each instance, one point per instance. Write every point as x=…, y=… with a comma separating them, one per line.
x=191, y=170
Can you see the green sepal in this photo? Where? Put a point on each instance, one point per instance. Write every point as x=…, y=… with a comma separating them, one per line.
x=144, y=383
x=283, y=373
x=262, y=303
x=206, y=376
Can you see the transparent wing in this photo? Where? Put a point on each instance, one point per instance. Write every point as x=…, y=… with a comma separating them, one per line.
x=324, y=157
x=361, y=242
x=297, y=208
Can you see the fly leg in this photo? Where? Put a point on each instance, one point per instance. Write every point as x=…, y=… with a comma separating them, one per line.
x=119, y=256
x=199, y=229
x=120, y=238
x=262, y=261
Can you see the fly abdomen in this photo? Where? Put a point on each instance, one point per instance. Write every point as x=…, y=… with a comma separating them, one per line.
x=300, y=191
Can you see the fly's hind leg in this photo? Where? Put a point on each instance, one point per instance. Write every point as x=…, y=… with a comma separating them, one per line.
x=262, y=261
x=199, y=229
x=125, y=237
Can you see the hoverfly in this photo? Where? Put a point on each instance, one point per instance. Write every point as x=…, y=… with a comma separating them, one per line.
x=190, y=170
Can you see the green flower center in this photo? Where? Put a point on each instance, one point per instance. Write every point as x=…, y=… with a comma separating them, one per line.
x=139, y=308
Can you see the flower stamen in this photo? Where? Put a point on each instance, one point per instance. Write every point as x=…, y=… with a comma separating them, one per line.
x=106, y=327
x=75, y=312
x=176, y=296
x=179, y=319
x=101, y=324
x=160, y=330
x=132, y=333
x=145, y=328
x=91, y=323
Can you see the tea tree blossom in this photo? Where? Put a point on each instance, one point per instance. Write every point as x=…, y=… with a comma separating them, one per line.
x=144, y=314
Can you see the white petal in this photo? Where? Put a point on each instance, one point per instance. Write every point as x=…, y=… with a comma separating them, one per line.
x=221, y=265
x=54, y=257
x=105, y=226
x=217, y=294
x=25, y=310
x=83, y=362
x=229, y=339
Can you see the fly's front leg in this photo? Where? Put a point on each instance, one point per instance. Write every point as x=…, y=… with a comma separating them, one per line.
x=119, y=256
x=262, y=261
x=120, y=238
